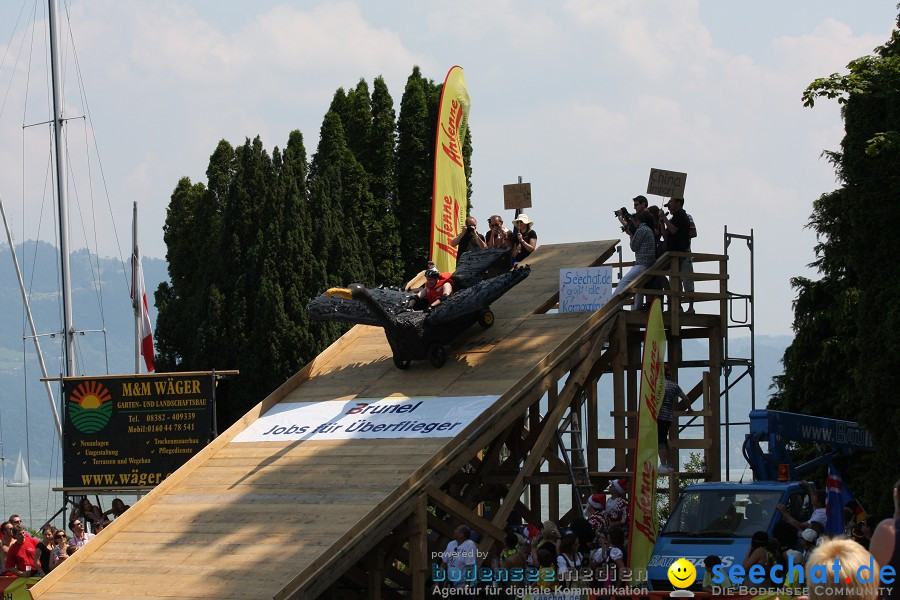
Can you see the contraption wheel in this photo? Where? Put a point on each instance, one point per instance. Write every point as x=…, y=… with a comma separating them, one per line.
x=486, y=319
x=437, y=355
x=401, y=364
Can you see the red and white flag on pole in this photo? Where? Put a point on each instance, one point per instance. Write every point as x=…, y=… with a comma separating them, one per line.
x=143, y=310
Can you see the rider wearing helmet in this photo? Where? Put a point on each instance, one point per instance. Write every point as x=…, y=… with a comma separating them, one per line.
x=437, y=287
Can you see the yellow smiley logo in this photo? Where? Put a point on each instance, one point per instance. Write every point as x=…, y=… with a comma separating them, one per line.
x=682, y=573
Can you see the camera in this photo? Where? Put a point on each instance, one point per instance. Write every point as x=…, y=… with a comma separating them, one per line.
x=625, y=218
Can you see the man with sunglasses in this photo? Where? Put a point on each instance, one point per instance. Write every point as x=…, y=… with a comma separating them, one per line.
x=80, y=537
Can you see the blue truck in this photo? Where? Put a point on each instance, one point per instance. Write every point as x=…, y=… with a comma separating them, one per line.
x=719, y=518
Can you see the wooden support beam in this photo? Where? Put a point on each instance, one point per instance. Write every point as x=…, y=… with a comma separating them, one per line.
x=573, y=385
x=591, y=426
x=463, y=513
x=620, y=362
x=418, y=548
x=374, y=562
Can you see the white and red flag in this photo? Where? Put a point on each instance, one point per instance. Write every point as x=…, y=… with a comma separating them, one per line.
x=142, y=310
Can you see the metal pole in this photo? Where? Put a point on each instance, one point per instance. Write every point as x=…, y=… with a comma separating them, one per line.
x=34, y=336
x=138, y=302
x=68, y=329
x=752, y=325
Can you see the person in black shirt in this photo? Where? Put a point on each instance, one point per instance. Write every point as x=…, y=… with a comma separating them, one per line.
x=526, y=238
x=468, y=238
x=679, y=240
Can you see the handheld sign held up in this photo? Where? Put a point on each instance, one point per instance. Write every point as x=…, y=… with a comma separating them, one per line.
x=666, y=183
x=516, y=195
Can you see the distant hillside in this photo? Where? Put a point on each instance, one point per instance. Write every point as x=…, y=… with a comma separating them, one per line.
x=101, y=301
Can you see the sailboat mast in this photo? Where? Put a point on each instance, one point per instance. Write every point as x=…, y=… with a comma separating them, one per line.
x=68, y=329
x=138, y=300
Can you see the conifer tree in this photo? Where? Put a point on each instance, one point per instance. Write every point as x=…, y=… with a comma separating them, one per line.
x=303, y=274
x=357, y=121
x=843, y=361
x=338, y=186
x=384, y=238
x=415, y=169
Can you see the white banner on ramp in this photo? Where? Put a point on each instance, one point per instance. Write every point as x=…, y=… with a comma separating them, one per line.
x=366, y=418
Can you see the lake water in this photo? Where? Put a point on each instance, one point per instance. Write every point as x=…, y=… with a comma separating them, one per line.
x=37, y=503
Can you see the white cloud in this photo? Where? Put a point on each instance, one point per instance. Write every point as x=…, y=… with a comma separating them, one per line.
x=581, y=98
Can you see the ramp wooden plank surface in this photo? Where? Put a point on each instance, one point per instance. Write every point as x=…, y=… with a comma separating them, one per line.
x=246, y=520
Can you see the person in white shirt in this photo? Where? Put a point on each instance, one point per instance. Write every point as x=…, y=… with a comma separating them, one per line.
x=817, y=499
x=80, y=537
x=460, y=556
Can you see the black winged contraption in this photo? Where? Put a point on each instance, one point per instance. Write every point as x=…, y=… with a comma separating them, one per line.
x=417, y=334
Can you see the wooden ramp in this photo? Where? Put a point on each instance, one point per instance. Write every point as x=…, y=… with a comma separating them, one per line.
x=287, y=519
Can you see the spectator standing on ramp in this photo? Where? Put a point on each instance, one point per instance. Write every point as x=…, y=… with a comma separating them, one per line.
x=679, y=240
x=526, y=238
x=468, y=238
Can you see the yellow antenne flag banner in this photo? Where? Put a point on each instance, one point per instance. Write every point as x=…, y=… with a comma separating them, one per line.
x=645, y=521
x=449, y=200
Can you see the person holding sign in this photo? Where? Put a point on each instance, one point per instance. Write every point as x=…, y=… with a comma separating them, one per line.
x=679, y=240
x=526, y=238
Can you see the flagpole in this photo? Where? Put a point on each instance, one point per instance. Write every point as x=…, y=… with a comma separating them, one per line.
x=135, y=292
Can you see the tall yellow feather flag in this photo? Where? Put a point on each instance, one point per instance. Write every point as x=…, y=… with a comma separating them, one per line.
x=645, y=521
x=449, y=199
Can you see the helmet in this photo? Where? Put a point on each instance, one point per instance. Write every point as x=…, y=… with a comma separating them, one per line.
x=432, y=273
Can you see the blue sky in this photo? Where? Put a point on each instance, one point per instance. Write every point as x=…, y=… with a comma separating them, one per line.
x=581, y=98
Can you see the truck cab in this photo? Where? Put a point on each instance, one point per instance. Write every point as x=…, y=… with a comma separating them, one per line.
x=719, y=519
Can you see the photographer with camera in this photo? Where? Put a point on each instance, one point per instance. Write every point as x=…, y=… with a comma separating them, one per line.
x=643, y=243
x=640, y=206
x=468, y=238
x=498, y=235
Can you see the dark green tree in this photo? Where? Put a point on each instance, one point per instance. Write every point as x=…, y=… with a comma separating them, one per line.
x=338, y=191
x=306, y=277
x=844, y=362
x=384, y=238
x=357, y=121
x=416, y=127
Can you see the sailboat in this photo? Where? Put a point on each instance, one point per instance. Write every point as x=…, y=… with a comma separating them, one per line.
x=20, y=477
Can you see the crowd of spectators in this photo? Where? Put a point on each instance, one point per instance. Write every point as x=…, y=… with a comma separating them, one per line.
x=599, y=540
x=521, y=240
x=866, y=543
x=24, y=555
